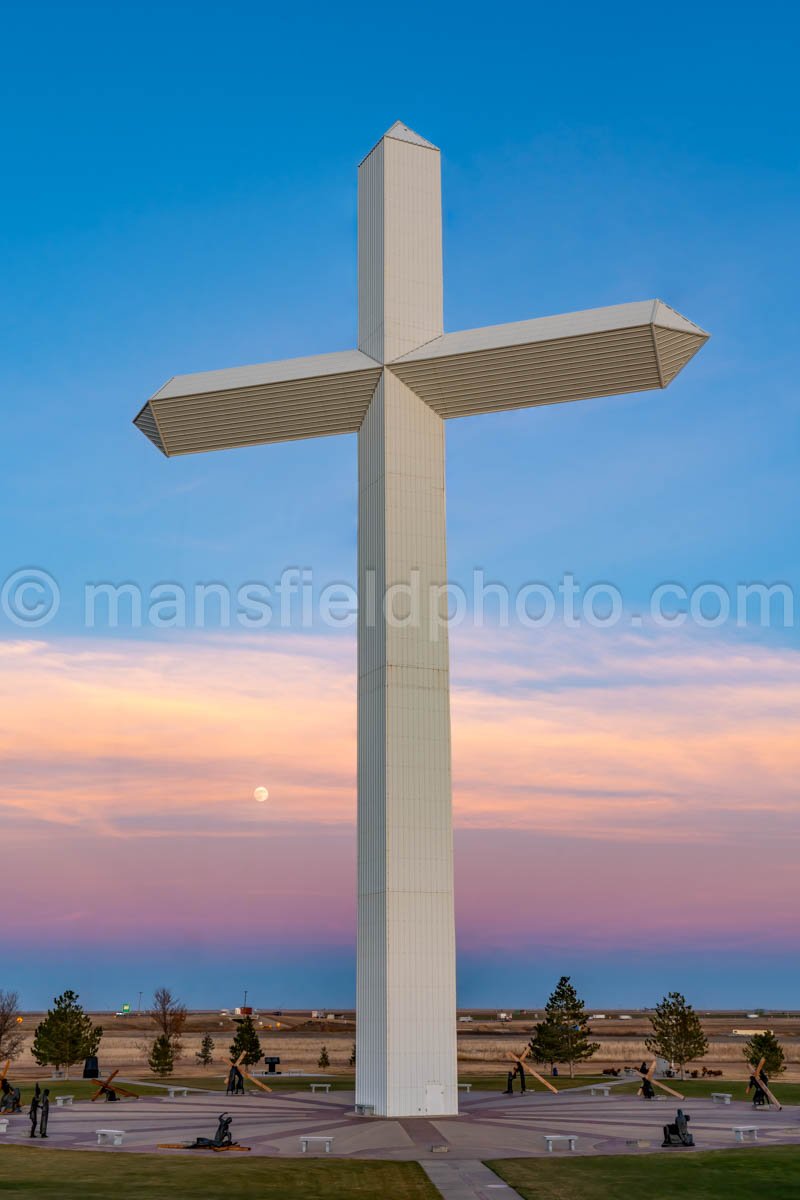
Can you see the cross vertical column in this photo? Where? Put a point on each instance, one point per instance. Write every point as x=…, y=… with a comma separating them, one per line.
x=406, y=1037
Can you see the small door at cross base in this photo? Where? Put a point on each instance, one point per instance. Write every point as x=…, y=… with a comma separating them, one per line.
x=434, y=1098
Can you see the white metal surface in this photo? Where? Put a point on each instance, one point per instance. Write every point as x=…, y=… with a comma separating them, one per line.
x=406, y=376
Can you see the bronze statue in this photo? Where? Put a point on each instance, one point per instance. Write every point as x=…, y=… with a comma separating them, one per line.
x=509, y=1084
x=33, y=1111
x=10, y=1100
x=235, y=1082
x=521, y=1070
x=760, y=1096
x=221, y=1139
x=45, y=1113
x=677, y=1132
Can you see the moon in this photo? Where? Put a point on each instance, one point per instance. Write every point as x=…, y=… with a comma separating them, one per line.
x=261, y=794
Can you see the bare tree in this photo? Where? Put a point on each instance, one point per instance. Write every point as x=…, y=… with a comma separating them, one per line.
x=170, y=1017
x=11, y=1039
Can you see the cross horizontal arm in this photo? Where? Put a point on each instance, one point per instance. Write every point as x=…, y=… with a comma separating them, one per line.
x=598, y=352
x=269, y=402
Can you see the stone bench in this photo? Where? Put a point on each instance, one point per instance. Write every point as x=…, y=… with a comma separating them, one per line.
x=110, y=1137
x=743, y=1133
x=320, y=1087
x=64, y=1101
x=722, y=1097
x=550, y=1138
x=172, y=1092
x=600, y=1089
x=306, y=1138
x=465, y=1087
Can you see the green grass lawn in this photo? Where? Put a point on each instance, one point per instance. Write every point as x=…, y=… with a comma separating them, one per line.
x=786, y=1093
x=709, y=1175
x=73, y=1174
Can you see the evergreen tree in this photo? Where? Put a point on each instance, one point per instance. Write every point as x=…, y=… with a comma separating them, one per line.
x=677, y=1033
x=324, y=1060
x=246, y=1042
x=563, y=1035
x=548, y=1044
x=766, y=1046
x=161, y=1059
x=205, y=1055
x=66, y=1035
x=351, y=1062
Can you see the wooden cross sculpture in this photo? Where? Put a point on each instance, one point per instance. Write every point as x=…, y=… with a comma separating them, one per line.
x=5, y=1070
x=755, y=1079
x=519, y=1059
x=239, y=1064
x=649, y=1076
x=105, y=1086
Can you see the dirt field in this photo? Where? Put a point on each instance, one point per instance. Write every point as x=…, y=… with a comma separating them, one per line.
x=482, y=1044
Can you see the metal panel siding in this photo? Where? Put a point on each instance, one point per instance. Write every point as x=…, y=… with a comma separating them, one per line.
x=675, y=350
x=370, y=254
x=399, y=248
x=146, y=422
x=269, y=412
x=612, y=318
x=406, y=940
x=547, y=372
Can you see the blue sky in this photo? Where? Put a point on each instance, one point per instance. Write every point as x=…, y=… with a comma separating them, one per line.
x=179, y=195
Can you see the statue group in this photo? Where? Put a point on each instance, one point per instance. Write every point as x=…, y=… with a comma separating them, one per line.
x=235, y=1082
x=39, y=1111
x=518, y=1070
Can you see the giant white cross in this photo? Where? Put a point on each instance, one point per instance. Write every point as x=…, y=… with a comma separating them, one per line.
x=396, y=391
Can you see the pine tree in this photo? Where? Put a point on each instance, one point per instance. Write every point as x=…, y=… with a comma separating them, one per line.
x=677, y=1033
x=548, y=1044
x=324, y=1060
x=246, y=1042
x=205, y=1055
x=766, y=1045
x=351, y=1062
x=161, y=1059
x=66, y=1035
x=563, y=1035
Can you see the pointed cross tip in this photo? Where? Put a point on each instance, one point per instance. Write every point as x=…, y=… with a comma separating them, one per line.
x=402, y=133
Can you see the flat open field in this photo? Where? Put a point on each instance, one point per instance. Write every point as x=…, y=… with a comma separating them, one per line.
x=483, y=1043
x=71, y=1175
x=734, y=1174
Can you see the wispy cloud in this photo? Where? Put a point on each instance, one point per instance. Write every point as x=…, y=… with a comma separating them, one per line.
x=653, y=773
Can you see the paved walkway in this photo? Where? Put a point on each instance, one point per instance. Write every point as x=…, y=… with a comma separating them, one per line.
x=468, y=1179
x=490, y=1125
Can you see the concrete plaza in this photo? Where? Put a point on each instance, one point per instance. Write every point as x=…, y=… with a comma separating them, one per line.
x=491, y=1125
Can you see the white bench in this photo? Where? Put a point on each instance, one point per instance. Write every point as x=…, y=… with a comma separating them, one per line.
x=64, y=1101
x=744, y=1132
x=177, y=1091
x=722, y=1097
x=304, y=1141
x=465, y=1087
x=600, y=1089
x=316, y=1087
x=3, y=1124
x=110, y=1137
x=549, y=1138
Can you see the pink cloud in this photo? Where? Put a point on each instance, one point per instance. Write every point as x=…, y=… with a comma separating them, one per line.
x=648, y=770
